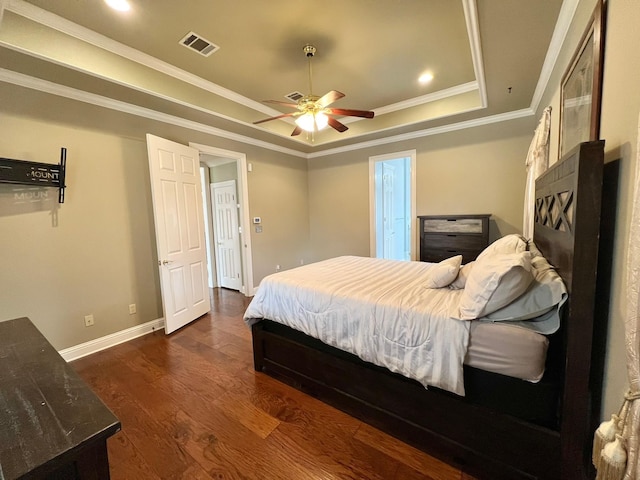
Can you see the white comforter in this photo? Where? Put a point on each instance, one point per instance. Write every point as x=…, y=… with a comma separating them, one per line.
x=376, y=309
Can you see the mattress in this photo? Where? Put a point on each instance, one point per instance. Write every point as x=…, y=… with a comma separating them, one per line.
x=500, y=347
x=376, y=309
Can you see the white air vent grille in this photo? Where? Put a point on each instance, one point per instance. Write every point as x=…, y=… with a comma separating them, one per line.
x=201, y=45
x=294, y=96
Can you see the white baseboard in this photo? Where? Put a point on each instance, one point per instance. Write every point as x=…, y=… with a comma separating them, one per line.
x=93, y=346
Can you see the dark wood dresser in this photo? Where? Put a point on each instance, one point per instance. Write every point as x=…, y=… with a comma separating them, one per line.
x=444, y=236
x=52, y=425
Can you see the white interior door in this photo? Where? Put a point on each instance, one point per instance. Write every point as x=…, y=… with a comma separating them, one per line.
x=177, y=206
x=227, y=234
x=388, y=210
x=392, y=201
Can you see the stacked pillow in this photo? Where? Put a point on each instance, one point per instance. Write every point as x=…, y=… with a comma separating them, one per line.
x=510, y=280
x=499, y=275
x=545, y=293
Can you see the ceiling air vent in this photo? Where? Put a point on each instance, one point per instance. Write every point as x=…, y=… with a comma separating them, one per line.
x=196, y=42
x=294, y=96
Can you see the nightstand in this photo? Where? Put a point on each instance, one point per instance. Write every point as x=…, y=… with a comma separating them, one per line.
x=444, y=236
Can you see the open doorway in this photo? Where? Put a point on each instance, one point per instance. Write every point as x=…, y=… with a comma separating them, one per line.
x=392, y=205
x=227, y=218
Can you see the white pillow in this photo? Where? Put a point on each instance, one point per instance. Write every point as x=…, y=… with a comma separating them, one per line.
x=544, y=294
x=512, y=243
x=443, y=273
x=494, y=282
x=463, y=274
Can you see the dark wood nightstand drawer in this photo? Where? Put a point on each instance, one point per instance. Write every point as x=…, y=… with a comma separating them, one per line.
x=436, y=255
x=444, y=236
x=466, y=242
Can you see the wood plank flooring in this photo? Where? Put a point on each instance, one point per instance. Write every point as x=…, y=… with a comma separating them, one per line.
x=192, y=407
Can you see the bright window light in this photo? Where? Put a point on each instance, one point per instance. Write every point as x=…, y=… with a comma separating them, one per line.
x=120, y=5
x=425, y=78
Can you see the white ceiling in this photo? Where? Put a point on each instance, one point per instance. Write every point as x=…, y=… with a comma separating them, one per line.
x=489, y=58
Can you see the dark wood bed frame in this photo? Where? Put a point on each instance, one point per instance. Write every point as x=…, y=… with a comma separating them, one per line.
x=503, y=428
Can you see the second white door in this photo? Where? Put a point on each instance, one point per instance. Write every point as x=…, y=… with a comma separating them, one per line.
x=227, y=234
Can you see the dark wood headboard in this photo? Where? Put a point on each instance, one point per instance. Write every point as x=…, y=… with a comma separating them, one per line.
x=567, y=231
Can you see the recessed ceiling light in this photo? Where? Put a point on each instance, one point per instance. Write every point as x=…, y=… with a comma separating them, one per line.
x=425, y=78
x=120, y=5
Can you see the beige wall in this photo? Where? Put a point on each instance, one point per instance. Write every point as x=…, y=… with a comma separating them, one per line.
x=224, y=172
x=478, y=170
x=278, y=194
x=102, y=255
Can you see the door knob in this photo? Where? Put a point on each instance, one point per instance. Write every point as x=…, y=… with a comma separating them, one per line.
x=166, y=262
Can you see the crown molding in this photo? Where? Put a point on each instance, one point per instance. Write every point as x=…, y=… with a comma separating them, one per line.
x=46, y=86
x=501, y=117
x=428, y=98
x=128, y=85
x=567, y=11
x=473, y=29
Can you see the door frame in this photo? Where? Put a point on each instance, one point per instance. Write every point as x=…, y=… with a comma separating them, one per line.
x=212, y=267
x=244, y=219
x=372, y=199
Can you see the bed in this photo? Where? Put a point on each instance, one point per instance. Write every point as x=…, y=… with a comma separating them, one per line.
x=490, y=424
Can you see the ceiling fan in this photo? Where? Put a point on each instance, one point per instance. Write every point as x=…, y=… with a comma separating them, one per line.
x=313, y=112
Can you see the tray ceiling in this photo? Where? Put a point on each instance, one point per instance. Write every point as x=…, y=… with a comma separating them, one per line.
x=487, y=58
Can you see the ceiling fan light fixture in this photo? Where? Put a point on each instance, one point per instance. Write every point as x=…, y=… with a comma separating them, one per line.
x=425, y=77
x=313, y=112
x=119, y=5
x=309, y=124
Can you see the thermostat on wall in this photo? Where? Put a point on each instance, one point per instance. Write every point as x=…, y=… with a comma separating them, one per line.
x=257, y=220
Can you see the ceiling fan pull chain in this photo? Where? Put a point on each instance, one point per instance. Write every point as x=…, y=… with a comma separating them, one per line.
x=310, y=83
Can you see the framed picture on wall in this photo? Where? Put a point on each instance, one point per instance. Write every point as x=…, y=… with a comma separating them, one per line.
x=581, y=87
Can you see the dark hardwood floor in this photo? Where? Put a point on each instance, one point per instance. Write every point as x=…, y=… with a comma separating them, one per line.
x=192, y=407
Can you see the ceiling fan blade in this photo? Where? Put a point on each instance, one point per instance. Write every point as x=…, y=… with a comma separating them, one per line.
x=329, y=98
x=341, y=127
x=286, y=104
x=296, y=131
x=277, y=117
x=350, y=112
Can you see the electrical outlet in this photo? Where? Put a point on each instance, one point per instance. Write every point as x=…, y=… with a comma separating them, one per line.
x=132, y=309
x=88, y=320
x=277, y=268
